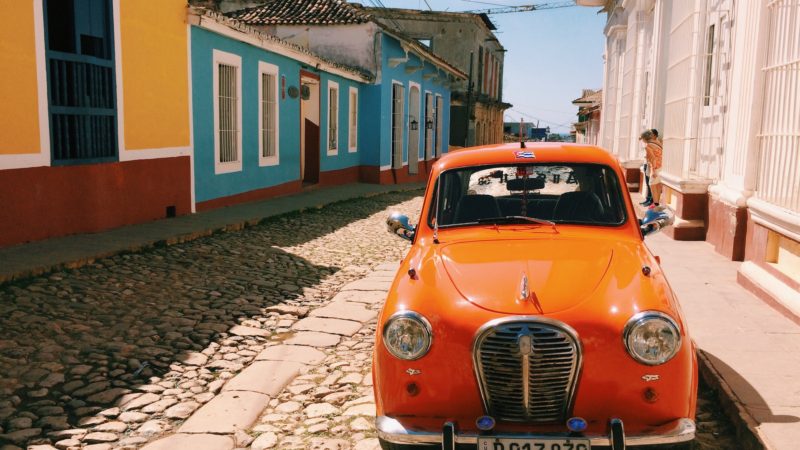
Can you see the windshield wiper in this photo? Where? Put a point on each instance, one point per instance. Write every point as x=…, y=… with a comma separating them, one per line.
x=516, y=219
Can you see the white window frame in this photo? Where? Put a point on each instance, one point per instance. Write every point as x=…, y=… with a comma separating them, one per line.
x=229, y=59
x=332, y=85
x=352, y=117
x=269, y=69
x=402, y=115
x=429, y=135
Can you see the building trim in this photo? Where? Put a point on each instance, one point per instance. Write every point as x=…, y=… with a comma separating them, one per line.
x=331, y=85
x=269, y=69
x=219, y=57
x=120, y=103
x=729, y=196
x=684, y=186
x=155, y=153
x=350, y=123
x=41, y=76
x=424, y=124
x=193, y=185
x=775, y=218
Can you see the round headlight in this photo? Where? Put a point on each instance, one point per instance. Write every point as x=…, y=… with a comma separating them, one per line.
x=407, y=335
x=652, y=338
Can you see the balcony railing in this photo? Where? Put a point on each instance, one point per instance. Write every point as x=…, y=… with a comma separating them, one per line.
x=779, y=141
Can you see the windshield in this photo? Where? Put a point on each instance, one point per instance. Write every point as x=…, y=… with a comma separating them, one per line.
x=560, y=193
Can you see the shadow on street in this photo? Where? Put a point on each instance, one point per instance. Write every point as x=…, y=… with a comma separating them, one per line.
x=75, y=343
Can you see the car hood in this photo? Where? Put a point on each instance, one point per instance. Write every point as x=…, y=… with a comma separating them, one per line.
x=555, y=274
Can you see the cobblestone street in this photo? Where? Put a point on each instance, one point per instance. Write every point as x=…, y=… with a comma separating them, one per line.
x=121, y=353
x=152, y=332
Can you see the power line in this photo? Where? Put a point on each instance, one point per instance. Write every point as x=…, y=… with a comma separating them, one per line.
x=488, y=3
x=565, y=125
x=522, y=8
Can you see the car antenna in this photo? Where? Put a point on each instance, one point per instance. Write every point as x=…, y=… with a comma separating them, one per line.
x=521, y=140
x=436, y=213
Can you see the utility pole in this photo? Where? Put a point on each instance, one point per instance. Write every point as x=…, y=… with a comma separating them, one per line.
x=469, y=100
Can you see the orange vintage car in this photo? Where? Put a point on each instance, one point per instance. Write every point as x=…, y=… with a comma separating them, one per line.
x=529, y=314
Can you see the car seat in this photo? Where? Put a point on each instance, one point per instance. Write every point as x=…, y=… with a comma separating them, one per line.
x=473, y=207
x=580, y=206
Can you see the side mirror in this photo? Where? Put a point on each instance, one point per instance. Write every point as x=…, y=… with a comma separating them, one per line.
x=398, y=225
x=654, y=221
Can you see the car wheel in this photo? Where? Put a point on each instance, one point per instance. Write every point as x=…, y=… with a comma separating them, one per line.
x=390, y=446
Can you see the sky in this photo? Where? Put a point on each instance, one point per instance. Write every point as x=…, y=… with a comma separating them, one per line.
x=552, y=55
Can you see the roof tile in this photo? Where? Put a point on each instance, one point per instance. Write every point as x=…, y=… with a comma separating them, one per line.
x=286, y=12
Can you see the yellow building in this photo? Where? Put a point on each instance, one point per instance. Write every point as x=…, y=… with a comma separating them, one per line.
x=95, y=116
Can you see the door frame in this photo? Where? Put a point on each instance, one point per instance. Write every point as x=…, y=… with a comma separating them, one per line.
x=306, y=75
x=413, y=151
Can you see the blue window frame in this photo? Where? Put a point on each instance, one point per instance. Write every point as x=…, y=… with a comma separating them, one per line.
x=81, y=85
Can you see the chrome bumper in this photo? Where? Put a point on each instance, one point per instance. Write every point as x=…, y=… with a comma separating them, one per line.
x=390, y=430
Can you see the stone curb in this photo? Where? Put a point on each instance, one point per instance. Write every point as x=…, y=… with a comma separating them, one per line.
x=264, y=378
x=180, y=238
x=747, y=432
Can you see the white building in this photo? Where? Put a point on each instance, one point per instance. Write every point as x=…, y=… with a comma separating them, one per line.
x=720, y=80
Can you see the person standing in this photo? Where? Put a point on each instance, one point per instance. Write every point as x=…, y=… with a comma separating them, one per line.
x=654, y=154
x=648, y=199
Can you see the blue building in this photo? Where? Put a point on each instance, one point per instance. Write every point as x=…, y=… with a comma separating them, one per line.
x=405, y=101
x=269, y=116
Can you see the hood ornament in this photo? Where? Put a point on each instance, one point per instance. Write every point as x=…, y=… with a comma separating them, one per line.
x=524, y=292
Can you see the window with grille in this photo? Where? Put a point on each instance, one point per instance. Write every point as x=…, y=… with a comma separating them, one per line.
x=353, y=128
x=268, y=114
x=227, y=112
x=779, y=140
x=333, y=118
x=81, y=81
x=429, y=125
x=398, y=114
x=709, y=66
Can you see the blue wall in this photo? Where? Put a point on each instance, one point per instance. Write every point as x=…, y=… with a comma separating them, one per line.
x=343, y=159
x=208, y=185
x=391, y=49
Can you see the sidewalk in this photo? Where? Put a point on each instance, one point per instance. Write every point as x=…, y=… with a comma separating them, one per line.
x=39, y=257
x=325, y=357
x=749, y=347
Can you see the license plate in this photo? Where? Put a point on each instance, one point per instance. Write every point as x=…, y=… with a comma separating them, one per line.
x=533, y=444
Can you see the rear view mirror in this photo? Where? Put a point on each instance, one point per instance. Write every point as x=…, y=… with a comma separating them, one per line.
x=525, y=184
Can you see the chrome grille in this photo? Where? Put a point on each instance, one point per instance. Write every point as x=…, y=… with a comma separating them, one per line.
x=527, y=369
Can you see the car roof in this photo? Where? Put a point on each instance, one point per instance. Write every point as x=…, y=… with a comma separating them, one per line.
x=532, y=153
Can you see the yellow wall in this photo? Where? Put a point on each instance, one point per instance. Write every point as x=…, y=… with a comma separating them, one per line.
x=154, y=73
x=19, y=110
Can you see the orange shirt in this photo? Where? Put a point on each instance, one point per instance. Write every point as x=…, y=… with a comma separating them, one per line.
x=654, y=154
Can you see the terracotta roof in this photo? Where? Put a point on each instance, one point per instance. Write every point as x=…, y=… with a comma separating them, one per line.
x=287, y=12
x=589, y=96
x=412, y=14
x=292, y=50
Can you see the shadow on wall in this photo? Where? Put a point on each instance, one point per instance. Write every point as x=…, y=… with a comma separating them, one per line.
x=156, y=324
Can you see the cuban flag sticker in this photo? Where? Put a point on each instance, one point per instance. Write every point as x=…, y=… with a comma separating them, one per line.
x=525, y=155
